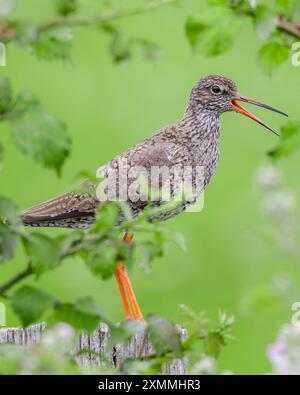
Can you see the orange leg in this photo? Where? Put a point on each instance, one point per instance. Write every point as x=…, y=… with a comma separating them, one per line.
x=120, y=282
x=126, y=290
x=137, y=314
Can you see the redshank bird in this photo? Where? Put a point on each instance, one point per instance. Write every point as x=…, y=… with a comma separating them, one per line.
x=193, y=141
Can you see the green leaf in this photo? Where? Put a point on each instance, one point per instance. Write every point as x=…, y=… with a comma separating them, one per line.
x=43, y=136
x=66, y=242
x=120, y=48
x=9, y=224
x=5, y=95
x=271, y=55
x=8, y=211
x=24, y=102
x=107, y=217
x=217, y=338
x=39, y=133
x=147, y=251
x=163, y=335
x=8, y=243
x=66, y=7
x=213, y=31
x=26, y=33
x=54, y=45
x=213, y=343
x=149, y=49
x=83, y=314
x=289, y=140
x=102, y=260
x=31, y=303
x=265, y=22
x=285, y=7
x=43, y=252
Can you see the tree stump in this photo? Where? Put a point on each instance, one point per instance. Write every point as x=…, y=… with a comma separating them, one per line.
x=97, y=341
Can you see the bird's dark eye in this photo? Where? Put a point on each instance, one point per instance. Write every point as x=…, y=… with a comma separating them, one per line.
x=216, y=89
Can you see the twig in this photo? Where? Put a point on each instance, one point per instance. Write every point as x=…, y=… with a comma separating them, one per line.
x=8, y=34
x=29, y=270
x=8, y=117
x=289, y=27
x=14, y=280
x=106, y=17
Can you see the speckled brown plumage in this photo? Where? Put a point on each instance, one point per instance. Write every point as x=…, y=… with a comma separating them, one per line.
x=193, y=141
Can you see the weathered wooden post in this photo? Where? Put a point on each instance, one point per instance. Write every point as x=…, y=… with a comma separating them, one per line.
x=97, y=341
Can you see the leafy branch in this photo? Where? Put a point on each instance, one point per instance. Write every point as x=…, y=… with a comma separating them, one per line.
x=105, y=17
x=215, y=29
x=34, y=130
x=101, y=247
x=8, y=33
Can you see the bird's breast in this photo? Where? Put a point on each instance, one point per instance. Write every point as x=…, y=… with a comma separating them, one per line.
x=203, y=145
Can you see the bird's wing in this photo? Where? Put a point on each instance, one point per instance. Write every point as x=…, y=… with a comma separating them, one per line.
x=64, y=210
x=155, y=151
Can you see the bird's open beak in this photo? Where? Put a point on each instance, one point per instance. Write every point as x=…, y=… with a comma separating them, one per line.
x=238, y=108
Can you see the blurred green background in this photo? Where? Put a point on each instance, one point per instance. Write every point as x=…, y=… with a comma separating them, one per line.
x=228, y=264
